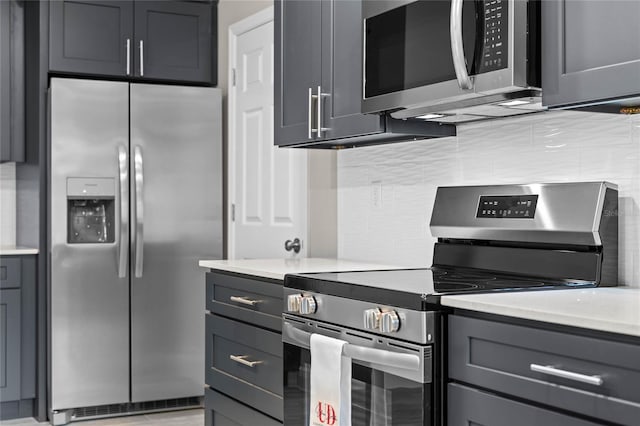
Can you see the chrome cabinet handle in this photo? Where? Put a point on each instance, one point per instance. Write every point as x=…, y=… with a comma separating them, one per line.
x=123, y=182
x=128, y=56
x=139, y=211
x=311, y=129
x=457, y=48
x=141, y=58
x=319, y=101
x=552, y=371
x=242, y=359
x=244, y=300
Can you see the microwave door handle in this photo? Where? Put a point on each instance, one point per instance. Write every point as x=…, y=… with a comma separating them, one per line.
x=457, y=47
x=357, y=352
x=123, y=185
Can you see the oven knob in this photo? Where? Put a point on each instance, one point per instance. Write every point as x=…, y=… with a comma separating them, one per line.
x=389, y=322
x=308, y=305
x=371, y=319
x=293, y=303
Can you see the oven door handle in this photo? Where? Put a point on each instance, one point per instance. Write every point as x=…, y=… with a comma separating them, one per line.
x=357, y=352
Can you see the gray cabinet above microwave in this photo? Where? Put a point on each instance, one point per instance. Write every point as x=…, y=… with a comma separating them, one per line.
x=318, y=81
x=591, y=53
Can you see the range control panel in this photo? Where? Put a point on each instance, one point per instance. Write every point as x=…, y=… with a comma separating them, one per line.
x=496, y=30
x=507, y=206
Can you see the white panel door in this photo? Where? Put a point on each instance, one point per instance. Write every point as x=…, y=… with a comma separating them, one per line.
x=268, y=185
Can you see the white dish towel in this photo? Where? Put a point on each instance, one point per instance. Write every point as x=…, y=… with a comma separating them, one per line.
x=330, y=399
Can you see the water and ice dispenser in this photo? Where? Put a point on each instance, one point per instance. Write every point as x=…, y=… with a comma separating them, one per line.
x=91, y=210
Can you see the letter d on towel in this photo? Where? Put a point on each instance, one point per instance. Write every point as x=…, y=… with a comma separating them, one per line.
x=330, y=397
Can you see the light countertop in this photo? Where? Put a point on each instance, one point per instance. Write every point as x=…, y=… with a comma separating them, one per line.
x=16, y=250
x=277, y=268
x=611, y=309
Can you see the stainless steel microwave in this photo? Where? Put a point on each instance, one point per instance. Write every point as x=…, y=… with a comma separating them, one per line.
x=451, y=60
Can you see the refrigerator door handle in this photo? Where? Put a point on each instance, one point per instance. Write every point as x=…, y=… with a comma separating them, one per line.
x=139, y=216
x=123, y=182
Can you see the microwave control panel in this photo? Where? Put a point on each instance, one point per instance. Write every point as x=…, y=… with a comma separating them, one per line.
x=496, y=35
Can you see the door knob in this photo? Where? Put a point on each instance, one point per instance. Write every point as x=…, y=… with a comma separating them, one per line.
x=293, y=245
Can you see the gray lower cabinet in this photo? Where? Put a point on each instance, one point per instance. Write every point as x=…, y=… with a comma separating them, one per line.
x=243, y=350
x=591, y=51
x=17, y=336
x=160, y=40
x=469, y=406
x=221, y=410
x=589, y=380
x=12, y=105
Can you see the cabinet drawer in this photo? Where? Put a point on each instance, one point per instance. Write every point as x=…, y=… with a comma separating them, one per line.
x=10, y=272
x=256, y=301
x=221, y=410
x=504, y=357
x=248, y=353
x=468, y=406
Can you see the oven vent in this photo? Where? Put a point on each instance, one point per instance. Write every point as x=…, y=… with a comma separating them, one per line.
x=359, y=336
x=328, y=328
x=409, y=348
x=135, y=408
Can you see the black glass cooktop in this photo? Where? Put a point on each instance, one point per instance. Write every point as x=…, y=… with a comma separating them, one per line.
x=419, y=288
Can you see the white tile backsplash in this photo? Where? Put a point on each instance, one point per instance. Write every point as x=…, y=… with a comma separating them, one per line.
x=7, y=204
x=386, y=192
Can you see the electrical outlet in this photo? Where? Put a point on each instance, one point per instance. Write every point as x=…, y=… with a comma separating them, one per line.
x=376, y=194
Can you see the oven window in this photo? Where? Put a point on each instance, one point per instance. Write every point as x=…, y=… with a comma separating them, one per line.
x=377, y=398
x=410, y=46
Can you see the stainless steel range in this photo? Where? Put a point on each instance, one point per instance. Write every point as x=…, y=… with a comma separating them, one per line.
x=490, y=238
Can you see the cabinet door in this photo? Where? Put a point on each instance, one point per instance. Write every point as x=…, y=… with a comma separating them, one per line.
x=297, y=68
x=9, y=345
x=91, y=37
x=468, y=406
x=342, y=72
x=12, y=80
x=5, y=81
x=591, y=51
x=173, y=40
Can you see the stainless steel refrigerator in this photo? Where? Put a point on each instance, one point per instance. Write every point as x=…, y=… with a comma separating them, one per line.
x=135, y=201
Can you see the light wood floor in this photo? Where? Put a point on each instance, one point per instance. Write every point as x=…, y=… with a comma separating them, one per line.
x=193, y=417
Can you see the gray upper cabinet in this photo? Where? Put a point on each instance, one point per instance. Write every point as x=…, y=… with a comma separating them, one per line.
x=141, y=39
x=318, y=72
x=318, y=80
x=12, y=113
x=342, y=72
x=91, y=37
x=173, y=40
x=297, y=69
x=591, y=51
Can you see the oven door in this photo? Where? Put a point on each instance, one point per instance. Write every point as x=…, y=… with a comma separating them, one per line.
x=391, y=381
x=421, y=52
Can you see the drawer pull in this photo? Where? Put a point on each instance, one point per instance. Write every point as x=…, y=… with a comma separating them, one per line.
x=244, y=300
x=242, y=359
x=552, y=371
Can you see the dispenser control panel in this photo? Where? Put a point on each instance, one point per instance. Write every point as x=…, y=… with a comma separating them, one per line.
x=90, y=210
